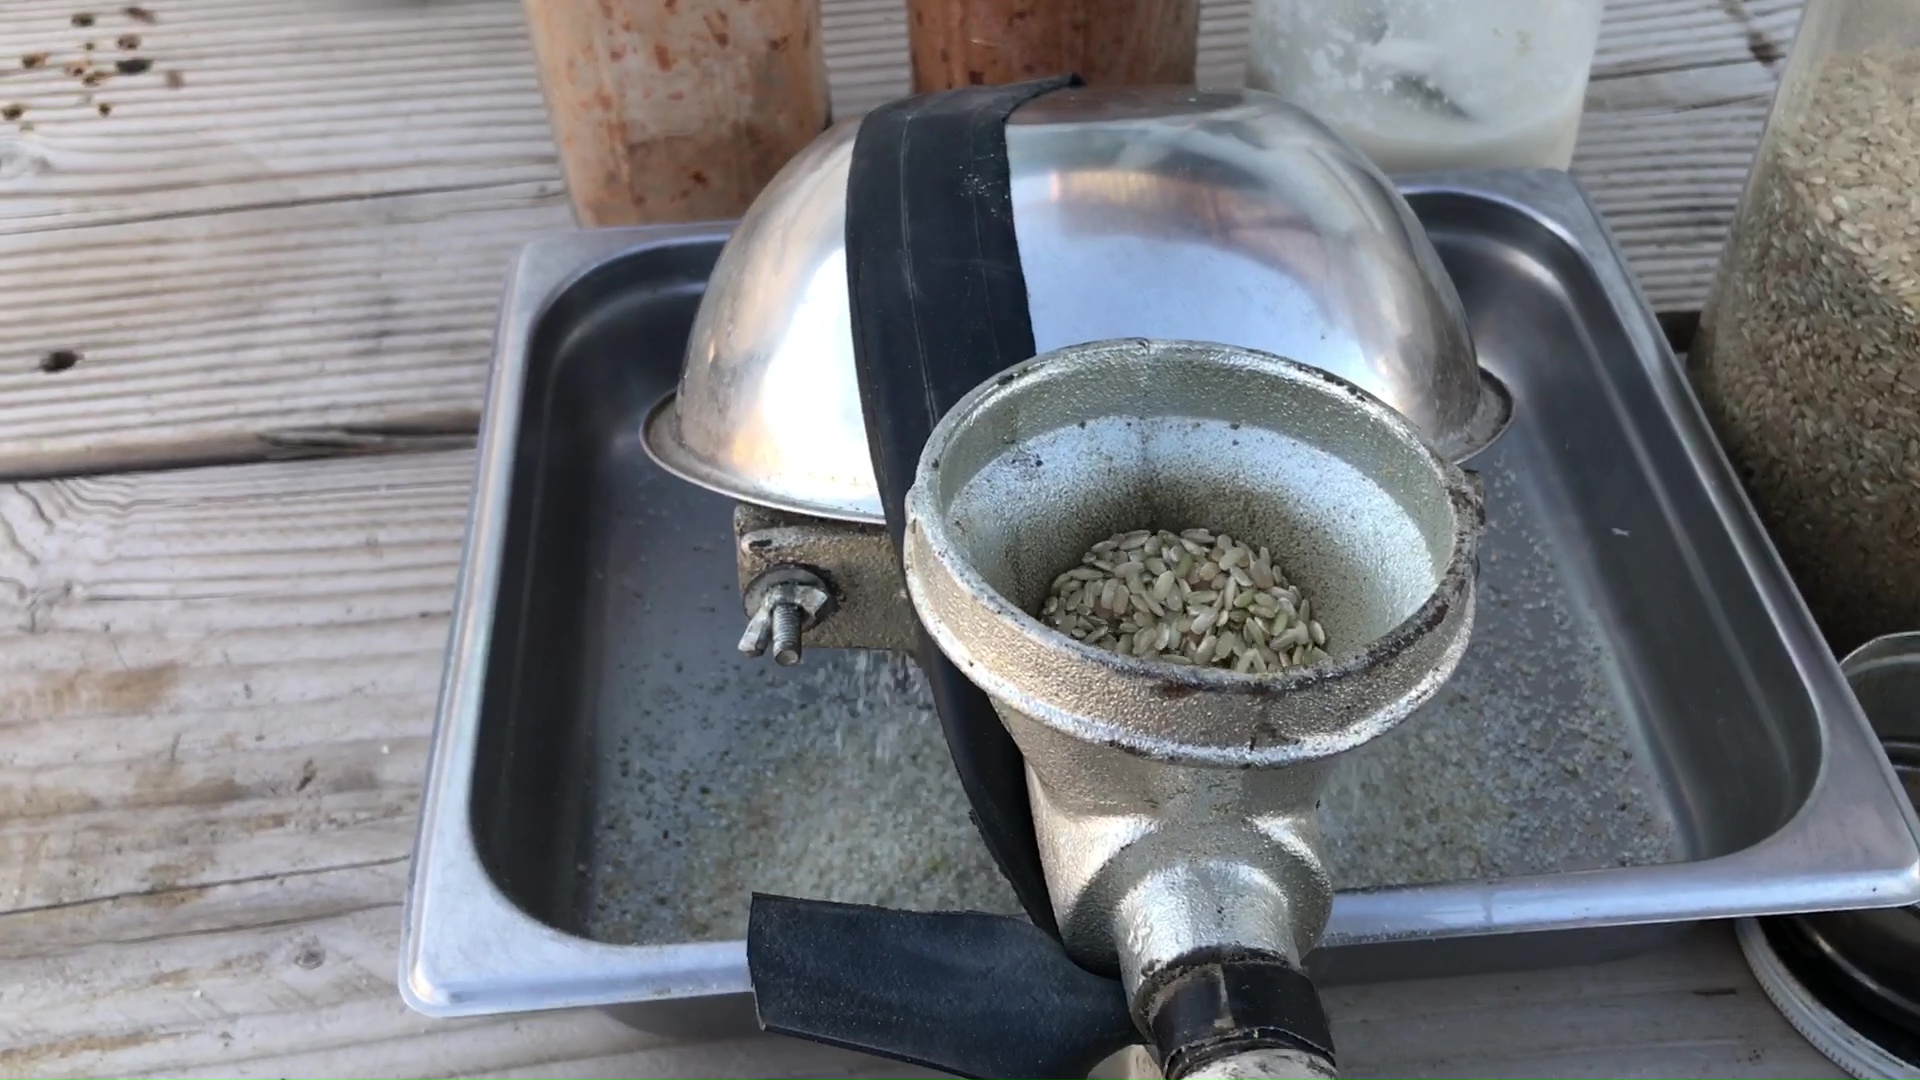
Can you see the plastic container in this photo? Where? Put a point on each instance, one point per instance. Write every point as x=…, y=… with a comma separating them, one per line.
x=1434, y=84
x=1808, y=361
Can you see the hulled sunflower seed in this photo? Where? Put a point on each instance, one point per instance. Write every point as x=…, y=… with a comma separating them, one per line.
x=1205, y=620
x=1191, y=597
x=1261, y=571
x=1227, y=647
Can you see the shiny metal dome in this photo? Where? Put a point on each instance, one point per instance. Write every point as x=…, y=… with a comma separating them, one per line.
x=1155, y=212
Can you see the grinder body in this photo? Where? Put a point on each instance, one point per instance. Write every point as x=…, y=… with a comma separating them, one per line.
x=1175, y=806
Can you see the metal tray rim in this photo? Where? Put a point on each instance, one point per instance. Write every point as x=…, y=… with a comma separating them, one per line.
x=1834, y=861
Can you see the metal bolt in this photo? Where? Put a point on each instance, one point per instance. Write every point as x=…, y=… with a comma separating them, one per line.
x=781, y=604
x=787, y=618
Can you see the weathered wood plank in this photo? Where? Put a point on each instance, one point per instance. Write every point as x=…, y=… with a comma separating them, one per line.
x=322, y=102
x=217, y=675
x=257, y=332
x=251, y=104
x=1680, y=92
x=293, y=976
x=291, y=229
x=302, y=242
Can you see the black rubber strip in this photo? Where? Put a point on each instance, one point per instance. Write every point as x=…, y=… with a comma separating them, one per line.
x=1220, y=1002
x=963, y=992
x=939, y=306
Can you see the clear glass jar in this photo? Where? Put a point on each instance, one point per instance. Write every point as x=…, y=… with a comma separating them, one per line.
x=1808, y=360
x=1433, y=84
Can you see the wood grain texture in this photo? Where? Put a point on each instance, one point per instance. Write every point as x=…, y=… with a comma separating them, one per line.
x=275, y=104
x=293, y=977
x=1679, y=94
x=289, y=234
x=258, y=332
x=218, y=675
x=216, y=688
x=304, y=240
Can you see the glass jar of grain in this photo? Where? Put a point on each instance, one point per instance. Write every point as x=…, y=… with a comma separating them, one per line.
x=1808, y=361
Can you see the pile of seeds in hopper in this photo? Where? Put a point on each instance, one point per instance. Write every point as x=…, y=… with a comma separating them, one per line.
x=1810, y=362
x=1191, y=598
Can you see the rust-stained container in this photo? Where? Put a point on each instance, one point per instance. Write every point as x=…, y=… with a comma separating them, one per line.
x=1109, y=42
x=677, y=110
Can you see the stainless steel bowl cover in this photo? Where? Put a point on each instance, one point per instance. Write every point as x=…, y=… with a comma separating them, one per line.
x=1163, y=213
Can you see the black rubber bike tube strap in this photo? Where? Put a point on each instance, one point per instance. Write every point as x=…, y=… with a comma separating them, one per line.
x=939, y=305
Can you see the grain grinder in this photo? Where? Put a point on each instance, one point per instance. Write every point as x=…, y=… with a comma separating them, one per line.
x=1157, y=821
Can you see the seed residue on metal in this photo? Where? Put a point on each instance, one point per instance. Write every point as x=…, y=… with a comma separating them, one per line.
x=1194, y=598
x=1809, y=359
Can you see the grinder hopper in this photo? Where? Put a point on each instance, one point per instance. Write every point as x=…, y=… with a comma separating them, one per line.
x=1175, y=806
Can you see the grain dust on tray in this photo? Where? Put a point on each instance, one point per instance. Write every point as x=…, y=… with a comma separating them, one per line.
x=834, y=784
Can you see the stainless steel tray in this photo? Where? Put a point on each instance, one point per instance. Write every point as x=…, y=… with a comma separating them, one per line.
x=1647, y=728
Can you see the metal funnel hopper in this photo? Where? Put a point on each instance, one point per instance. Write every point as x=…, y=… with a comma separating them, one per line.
x=1175, y=806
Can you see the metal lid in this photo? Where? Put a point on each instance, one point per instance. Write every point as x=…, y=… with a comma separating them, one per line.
x=1802, y=993
x=1161, y=213
x=1850, y=980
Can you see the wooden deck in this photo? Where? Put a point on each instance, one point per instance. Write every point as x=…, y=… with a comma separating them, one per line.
x=218, y=665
